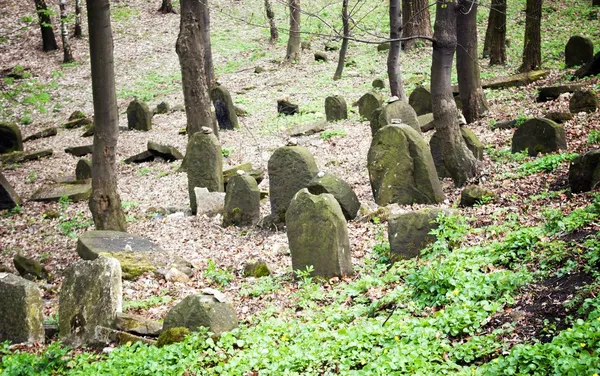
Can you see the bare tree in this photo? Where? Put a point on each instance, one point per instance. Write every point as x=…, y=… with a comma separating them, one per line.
x=532, y=48
x=458, y=159
x=105, y=203
x=48, y=39
x=78, y=33
x=166, y=7
x=417, y=21
x=344, y=49
x=68, y=56
x=293, y=45
x=495, y=35
x=209, y=69
x=272, y=25
x=473, y=100
x=393, y=61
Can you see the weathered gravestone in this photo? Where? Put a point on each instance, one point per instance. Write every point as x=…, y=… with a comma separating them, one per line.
x=10, y=138
x=378, y=83
x=77, y=191
x=90, y=296
x=321, y=56
x=369, y=103
x=8, y=197
x=139, y=116
x=166, y=152
x=550, y=93
x=539, y=136
x=317, y=235
x=204, y=164
x=224, y=108
x=583, y=101
x=426, y=122
x=30, y=268
x=341, y=191
x=420, y=100
x=590, y=69
x=578, y=51
x=84, y=169
x=162, y=108
x=44, y=133
x=209, y=203
x=336, y=108
x=401, y=169
x=242, y=201
x=435, y=147
x=290, y=169
x=584, y=172
x=21, y=310
x=80, y=151
x=475, y=194
x=558, y=116
x=76, y=120
x=285, y=107
x=395, y=112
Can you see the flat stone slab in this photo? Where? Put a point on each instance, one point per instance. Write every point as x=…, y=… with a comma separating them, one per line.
x=53, y=193
x=8, y=197
x=80, y=151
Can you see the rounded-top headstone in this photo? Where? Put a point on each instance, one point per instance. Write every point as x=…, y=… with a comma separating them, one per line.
x=369, y=103
x=84, y=169
x=583, y=101
x=10, y=138
x=242, y=201
x=584, y=172
x=139, y=116
x=378, y=83
x=539, y=136
x=578, y=51
x=395, y=113
x=420, y=100
x=336, y=108
x=224, y=108
x=204, y=164
x=345, y=196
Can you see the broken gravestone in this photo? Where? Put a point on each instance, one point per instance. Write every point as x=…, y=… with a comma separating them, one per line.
x=426, y=122
x=321, y=56
x=327, y=183
x=290, y=169
x=285, y=107
x=10, y=138
x=204, y=164
x=420, y=100
x=167, y=152
x=224, y=108
x=21, y=310
x=550, y=93
x=583, y=101
x=209, y=203
x=369, y=103
x=83, y=170
x=242, y=202
x=162, y=108
x=90, y=296
x=578, y=51
x=435, y=147
x=76, y=191
x=8, y=197
x=80, y=151
x=30, y=268
x=475, y=194
x=76, y=120
x=539, y=136
x=318, y=235
x=401, y=169
x=139, y=116
x=395, y=112
x=44, y=133
x=584, y=172
x=336, y=108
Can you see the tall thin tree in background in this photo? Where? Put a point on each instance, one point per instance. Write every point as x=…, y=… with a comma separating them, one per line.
x=344, y=48
x=78, y=33
x=272, y=25
x=393, y=61
x=495, y=35
x=166, y=7
x=417, y=21
x=532, y=48
x=293, y=45
x=209, y=69
x=67, y=55
x=105, y=203
x=48, y=39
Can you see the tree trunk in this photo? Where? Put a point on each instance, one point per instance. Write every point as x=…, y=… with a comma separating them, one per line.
x=78, y=33
x=344, y=49
x=48, y=40
x=497, y=39
x=473, y=101
x=532, y=50
x=68, y=56
x=209, y=69
x=416, y=20
x=393, y=61
x=458, y=159
x=293, y=46
x=166, y=7
x=105, y=203
x=190, y=49
x=272, y=25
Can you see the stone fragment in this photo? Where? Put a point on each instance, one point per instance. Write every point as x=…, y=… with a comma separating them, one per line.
x=8, y=197
x=80, y=151
x=139, y=116
x=409, y=232
x=242, y=202
x=209, y=203
x=162, y=108
x=30, y=268
x=420, y=100
x=10, y=138
x=285, y=107
x=137, y=324
x=578, y=51
x=224, y=108
x=516, y=80
x=77, y=115
x=369, y=103
x=590, y=69
x=336, y=108
x=204, y=164
x=385, y=46
x=307, y=129
x=426, y=122
x=208, y=310
x=44, y=133
x=397, y=112
x=341, y=191
x=256, y=269
x=77, y=123
x=78, y=191
x=550, y=93
x=259, y=70
x=321, y=56
x=378, y=83
x=171, y=336
x=166, y=152
x=21, y=310
x=539, y=136
x=559, y=117
x=19, y=156
x=584, y=172
x=83, y=170
x=505, y=124
x=176, y=275
x=474, y=194
x=104, y=335
x=472, y=142
x=257, y=174
x=583, y=101
x=145, y=156
x=240, y=112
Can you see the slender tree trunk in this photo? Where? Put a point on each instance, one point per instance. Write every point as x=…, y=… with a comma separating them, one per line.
x=209, y=69
x=166, y=7
x=497, y=38
x=68, y=56
x=190, y=49
x=272, y=25
x=532, y=49
x=472, y=98
x=393, y=61
x=293, y=46
x=417, y=20
x=344, y=49
x=105, y=203
x=458, y=159
x=78, y=33
x=48, y=39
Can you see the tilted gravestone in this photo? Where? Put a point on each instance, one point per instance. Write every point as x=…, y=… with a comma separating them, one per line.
x=539, y=136
x=401, y=169
x=10, y=138
x=420, y=100
x=318, y=235
x=242, y=201
x=21, y=310
x=395, y=112
x=369, y=103
x=345, y=196
x=84, y=169
x=204, y=164
x=336, y=108
x=224, y=108
x=584, y=172
x=8, y=197
x=285, y=107
x=583, y=101
x=435, y=147
x=139, y=116
x=578, y=51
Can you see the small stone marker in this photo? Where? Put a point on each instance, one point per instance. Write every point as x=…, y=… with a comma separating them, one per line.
x=257, y=174
x=341, y=191
x=44, y=133
x=138, y=325
x=224, y=108
x=209, y=203
x=307, y=129
x=90, y=296
x=474, y=194
x=80, y=151
x=286, y=107
x=408, y=233
x=8, y=197
x=21, y=310
x=317, y=235
x=578, y=51
x=242, y=202
x=321, y=56
x=30, y=268
x=78, y=191
x=378, y=83
x=84, y=169
x=336, y=108
x=10, y=138
x=583, y=101
x=426, y=122
x=401, y=168
x=256, y=269
x=393, y=113
x=420, y=100
x=139, y=116
x=539, y=136
x=369, y=103
x=584, y=172
x=204, y=164
x=162, y=108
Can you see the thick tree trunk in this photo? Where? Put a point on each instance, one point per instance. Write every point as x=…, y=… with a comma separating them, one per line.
x=393, y=61
x=293, y=45
x=166, y=7
x=48, y=39
x=473, y=101
x=68, y=56
x=190, y=49
x=417, y=20
x=272, y=25
x=458, y=159
x=78, y=33
x=105, y=203
x=344, y=49
x=532, y=49
x=495, y=36
x=209, y=69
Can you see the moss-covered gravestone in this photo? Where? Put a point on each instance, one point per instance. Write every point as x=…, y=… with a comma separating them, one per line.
x=91, y=295
x=539, y=136
x=139, y=116
x=369, y=103
x=584, y=172
x=396, y=112
x=8, y=197
x=583, y=101
x=290, y=169
x=224, y=108
x=204, y=164
x=256, y=269
x=578, y=51
x=345, y=196
x=242, y=201
x=474, y=194
x=162, y=108
x=10, y=138
x=408, y=233
x=378, y=83
x=84, y=169
x=317, y=235
x=420, y=100
x=77, y=191
x=336, y=108
x=401, y=168
x=30, y=268
x=435, y=147
x=21, y=310
x=171, y=336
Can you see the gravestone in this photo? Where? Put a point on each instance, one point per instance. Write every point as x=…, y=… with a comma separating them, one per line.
x=44, y=133
x=321, y=56
x=8, y=197
x=336, y=108
x=420, y=100
x=10, y=138
x=30, y=268
x=80, y=151
x=475, y=194
x=139, y=116
x=84, y=169
x=369, y=103
x=77, y=191
x=209, y=203
x=590, y=69
x=558, y=116
x=435, y=147
x=584, y=172
x=397, y=112
x=426, y=122
x=401, y=169
x=550, y=93
x=285, y=107
x=21, y=310
x=578, y=51
x=318, y=235
x=583, y=101
x=290, y=169
x=409, y=232
x=378, y=83
x=472, y=142
x=341, y=191
x=91, y=295
x=204, y=164
x=539, y=136
x=242, y=201
x=224, y=108
x=162, y=108
x=256, y=269
x=167, y=152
